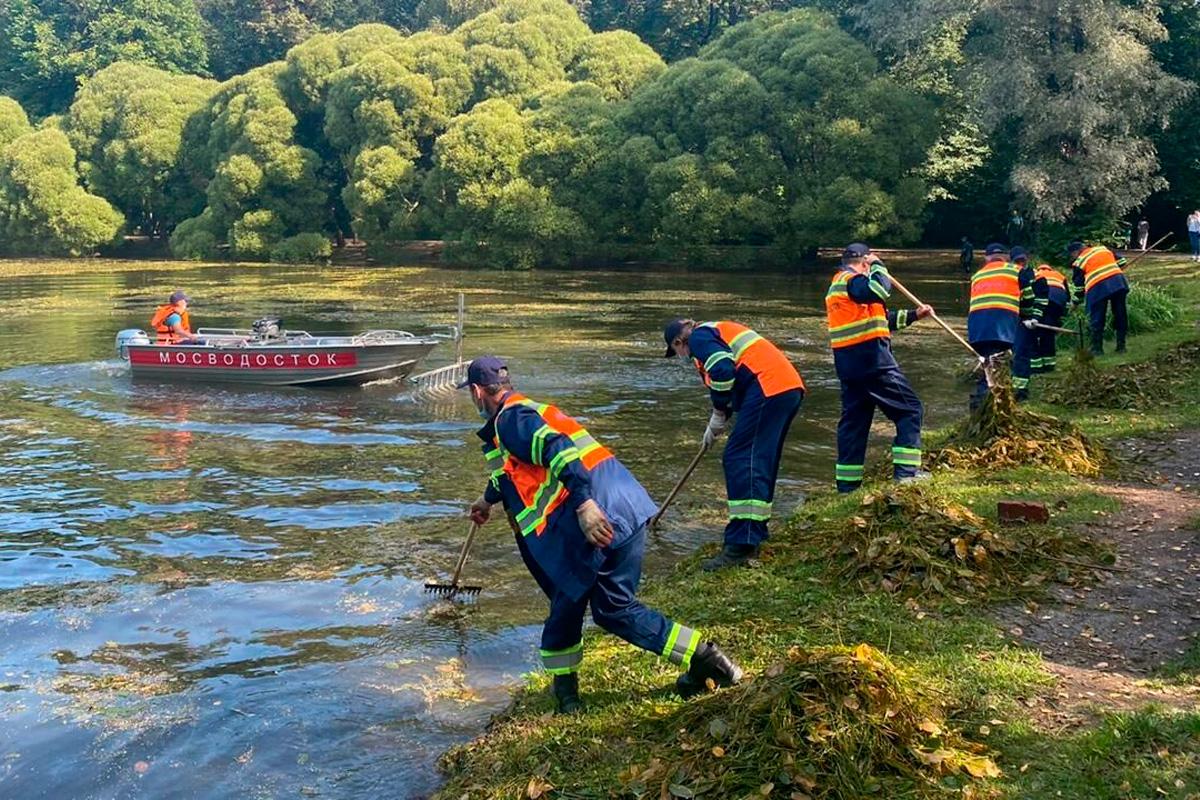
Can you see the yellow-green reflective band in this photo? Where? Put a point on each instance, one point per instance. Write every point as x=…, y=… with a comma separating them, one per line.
x=681, y=644
x=750, y=509
x=716, y=358
x=562, y=662
x=741, y=342
x=879, y=291
x=857, y=328
x=563, y=458
x=1020, y=383
x=906, y=456
x=849, y=472
x=720, y=386
x=538, y=443
x=532, y=515
x=902, y=318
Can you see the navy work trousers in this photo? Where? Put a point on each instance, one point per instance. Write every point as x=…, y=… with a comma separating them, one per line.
x=615, y=608
x=1045, y=350
x=890, y=392
x=1098, y=311
x=751, y=462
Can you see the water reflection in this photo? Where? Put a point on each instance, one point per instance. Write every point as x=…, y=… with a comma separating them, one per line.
x=217, y=592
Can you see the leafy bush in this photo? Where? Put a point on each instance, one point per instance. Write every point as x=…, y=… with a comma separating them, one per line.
x=303, y=248
x=255, y=234
x=1150, y=307
x=194, y=239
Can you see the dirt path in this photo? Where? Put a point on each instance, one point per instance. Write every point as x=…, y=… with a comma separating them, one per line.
x=1104, y=640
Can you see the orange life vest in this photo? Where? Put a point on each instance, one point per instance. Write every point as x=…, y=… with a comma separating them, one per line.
x=769, y=365
x=159, y=322
x=1053, y=277
x=1098, y=264
x=996, y=285
x=538, y=487
x=852, y=322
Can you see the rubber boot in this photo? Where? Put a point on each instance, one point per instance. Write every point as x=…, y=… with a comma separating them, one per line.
x=566, y=693
x=731, y=555
x=1021, y=395
x=708, y=663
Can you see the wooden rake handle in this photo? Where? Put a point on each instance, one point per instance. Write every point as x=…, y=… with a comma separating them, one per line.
x=916, y=300
x=670, y=497
x=466, y=551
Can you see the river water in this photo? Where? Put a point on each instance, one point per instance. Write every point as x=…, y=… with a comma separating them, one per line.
x=217, y=592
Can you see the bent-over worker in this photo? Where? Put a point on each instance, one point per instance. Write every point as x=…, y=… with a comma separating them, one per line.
x=579, y=518
x=1001, y=301
x=860, y=327
x=750, y=378
x=1100, y=282
x=1050, y=307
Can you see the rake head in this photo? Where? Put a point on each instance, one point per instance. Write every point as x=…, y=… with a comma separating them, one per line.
x=450, y=590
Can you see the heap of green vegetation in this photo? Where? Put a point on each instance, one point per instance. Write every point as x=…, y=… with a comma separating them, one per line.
x=917, y=542
x=1140, y=385
x=1001, y=434
x=830, y=722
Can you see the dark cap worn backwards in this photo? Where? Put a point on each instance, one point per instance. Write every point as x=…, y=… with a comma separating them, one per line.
x=177, y=296
x=1018, y=254
x=1074, y=247
x=485, y=371
x=671, y=333
x=856, y=250
x=995, y=248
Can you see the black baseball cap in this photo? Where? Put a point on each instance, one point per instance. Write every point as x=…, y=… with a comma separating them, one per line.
x=1074, y=247
x=671, y=333
x=485, y=371
x=995, y=248
x=1018, y=254
x=178, y=295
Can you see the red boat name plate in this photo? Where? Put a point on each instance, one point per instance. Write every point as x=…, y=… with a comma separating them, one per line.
x=227, y=360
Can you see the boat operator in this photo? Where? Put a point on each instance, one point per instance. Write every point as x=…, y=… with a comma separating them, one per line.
x=171, y=324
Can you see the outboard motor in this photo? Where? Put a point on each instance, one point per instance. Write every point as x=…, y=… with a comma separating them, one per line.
x=266, y=328
x=127, y=337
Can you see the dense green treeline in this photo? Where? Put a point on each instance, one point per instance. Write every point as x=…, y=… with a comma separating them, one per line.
x=516, y=132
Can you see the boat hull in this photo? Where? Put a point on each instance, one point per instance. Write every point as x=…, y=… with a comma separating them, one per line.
x=334, y=365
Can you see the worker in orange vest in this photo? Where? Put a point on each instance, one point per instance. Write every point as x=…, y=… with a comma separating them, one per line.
x=1001, y=317
x=579, y=518
x=171, y=323
x=1100, y=282
x=860, y=326
x=750, y=378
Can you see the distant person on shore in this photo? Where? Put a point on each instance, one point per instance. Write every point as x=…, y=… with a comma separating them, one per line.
x=751, y=379
x=966, y=255
x=1143, y=234
x=1015, y=229
x=171, y=323
x=1193, y=228
x=580, y=519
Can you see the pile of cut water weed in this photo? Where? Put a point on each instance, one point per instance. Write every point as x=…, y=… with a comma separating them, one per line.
x=912, y=542
x=825, y=723
x=831, y=722
x=1140, y=386
x=1000, y=435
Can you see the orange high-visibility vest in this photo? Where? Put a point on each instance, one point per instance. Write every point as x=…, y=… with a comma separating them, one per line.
x=159, y=323
x=996, y=285
x=538, y=487
x=767, y=362
x=1053, y=277
x=852, y=322
x=1098, y=264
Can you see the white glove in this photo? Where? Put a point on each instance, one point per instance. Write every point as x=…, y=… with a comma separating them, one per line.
x=1029, y=324
x=716, y=426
